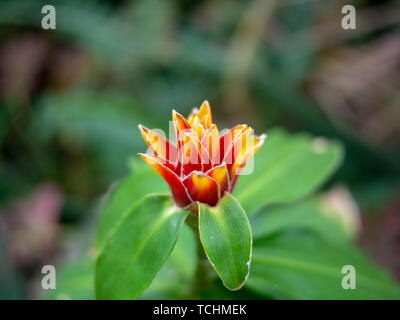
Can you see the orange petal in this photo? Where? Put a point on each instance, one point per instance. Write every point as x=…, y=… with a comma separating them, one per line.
x=221, y=176
x=237, y=152
x=211, y=144
x=181, y=125
x=229, y=143
x=202, y=188
x=178, y=190
x=189, y=154
x=158, y=144
x=250, y=147
x=193, y=115
x=227, y=139
x=204, y=115
x=194, y=156
x=197, y=129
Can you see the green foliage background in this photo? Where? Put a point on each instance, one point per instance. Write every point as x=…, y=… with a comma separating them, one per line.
x=71, y=100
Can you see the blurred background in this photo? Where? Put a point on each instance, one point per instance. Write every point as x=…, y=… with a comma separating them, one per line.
x=71, y=100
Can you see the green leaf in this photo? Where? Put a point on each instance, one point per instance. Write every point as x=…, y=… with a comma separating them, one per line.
x=225, y=234
x=175, y=279
x=302, y=266
x=287, y=168
x=138, y=248
x=304, y=214
x=141, y=182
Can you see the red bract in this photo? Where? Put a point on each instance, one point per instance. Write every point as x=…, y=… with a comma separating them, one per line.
x=203, y=165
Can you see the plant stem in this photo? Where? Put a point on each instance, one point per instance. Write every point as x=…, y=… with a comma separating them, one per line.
x=203, y=265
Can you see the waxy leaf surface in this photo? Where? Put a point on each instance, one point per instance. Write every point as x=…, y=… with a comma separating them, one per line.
x=138, y=248
x=300, y=265
x=285, y=169
x=139, y=183
x=226, y=238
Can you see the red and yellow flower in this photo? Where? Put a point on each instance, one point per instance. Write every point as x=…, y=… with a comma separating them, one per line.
x=203, y=164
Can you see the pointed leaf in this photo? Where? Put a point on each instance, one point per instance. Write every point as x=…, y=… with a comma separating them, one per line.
x=138, y=248
x=306, y=214
x=175, y=279
x=299, y=265
x=287, y=168
x=139, y=183
x=226, y=238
